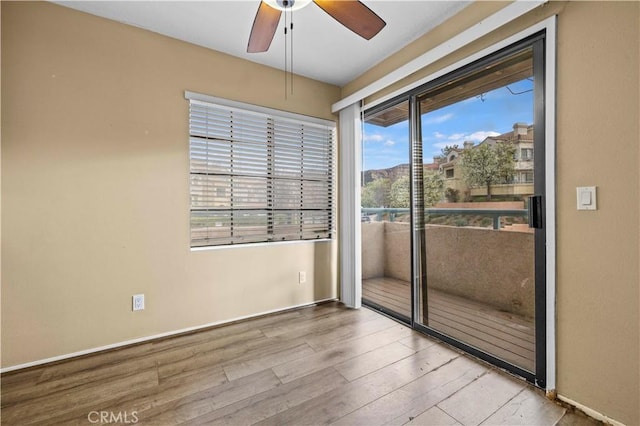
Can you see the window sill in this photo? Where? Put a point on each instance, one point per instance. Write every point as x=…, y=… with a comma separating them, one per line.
x=263, y=244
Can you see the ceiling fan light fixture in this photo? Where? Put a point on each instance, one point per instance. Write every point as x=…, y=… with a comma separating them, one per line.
x=287, y=5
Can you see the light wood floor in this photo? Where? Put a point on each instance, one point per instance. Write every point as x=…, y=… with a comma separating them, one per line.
x=318, y=365
x=507, y=336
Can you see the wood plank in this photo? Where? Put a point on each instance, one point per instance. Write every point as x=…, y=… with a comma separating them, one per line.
x=396, y=287
x=294, y=370
x=224, y=356
x=385, y=302
x=486, y=346
x=266, y=404
x=518, y=333
x=387, y=291
x=433, y=416
x=144, y=401
x=529, y=407
x=372, y=361
x=483, y=311
x=488, y=334
x=331, y=406
x=329, y=338
x=474, y=403
x=12, y=395
x=454, y=302
x=418, y=341
x=504, y=335
x=403, y=310
x=397, y=297
x=313, y=324
x=236, y=370
x=22, y=378
x=66, y=368
x=322, y=309
x=411, y=400
x=316, y=335
x=201, y=403
x=84, y=398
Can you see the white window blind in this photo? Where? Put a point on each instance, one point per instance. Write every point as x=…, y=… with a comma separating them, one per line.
x=258, y=177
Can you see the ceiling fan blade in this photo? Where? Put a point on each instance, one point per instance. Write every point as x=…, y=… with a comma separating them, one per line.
x=264, y=28
x=353, y=15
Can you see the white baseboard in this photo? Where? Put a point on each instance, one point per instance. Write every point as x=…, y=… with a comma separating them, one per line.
x=590, y=412
x=155, y=336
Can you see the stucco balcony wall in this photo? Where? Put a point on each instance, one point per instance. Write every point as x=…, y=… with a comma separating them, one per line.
x=488, y=266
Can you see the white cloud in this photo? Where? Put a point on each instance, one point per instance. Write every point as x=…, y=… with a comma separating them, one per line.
x=456, y=137
x=373, y=137
x=479, y=136
x=439, y=135
x=379, y=138
x=439, y=118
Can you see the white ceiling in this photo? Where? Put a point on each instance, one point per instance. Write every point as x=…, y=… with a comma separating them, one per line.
x=323, y=49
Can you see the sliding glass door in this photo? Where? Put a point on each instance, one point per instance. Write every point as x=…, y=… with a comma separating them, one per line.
x=385, y=214
x=455, y=245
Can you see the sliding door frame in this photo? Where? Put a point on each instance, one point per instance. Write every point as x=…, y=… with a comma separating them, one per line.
x=351, y=283
x=544, y=94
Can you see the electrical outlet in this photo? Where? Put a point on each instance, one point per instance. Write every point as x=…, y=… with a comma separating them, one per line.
x=302, y=277
x=138, y=302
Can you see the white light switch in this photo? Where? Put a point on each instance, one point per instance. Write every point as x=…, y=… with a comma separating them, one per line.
x=586, y=197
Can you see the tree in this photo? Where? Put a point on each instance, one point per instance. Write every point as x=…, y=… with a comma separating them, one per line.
x=486, y=165
x=433, y=190
x=376, y=193
x=452, y=195
x=448, y=148
x=400, y=193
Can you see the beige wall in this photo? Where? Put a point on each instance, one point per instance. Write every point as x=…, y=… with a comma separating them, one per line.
x=598, y=281
x=598, y=345
x=96, y=194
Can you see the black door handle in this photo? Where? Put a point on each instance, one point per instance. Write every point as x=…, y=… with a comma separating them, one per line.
x=536, y=211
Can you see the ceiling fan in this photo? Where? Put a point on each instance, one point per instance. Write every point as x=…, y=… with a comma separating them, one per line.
x=351, y=13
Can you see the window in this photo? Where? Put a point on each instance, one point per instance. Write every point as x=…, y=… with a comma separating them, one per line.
x=526, y=153
x=258, y=175
x=448, y=173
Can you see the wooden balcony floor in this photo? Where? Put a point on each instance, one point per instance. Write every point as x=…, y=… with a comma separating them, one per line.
x=505, y=335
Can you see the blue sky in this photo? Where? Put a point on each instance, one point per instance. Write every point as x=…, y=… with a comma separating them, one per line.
x=472, y=119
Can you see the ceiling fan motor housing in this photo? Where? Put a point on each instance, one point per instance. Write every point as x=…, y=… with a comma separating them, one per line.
x=287, y=5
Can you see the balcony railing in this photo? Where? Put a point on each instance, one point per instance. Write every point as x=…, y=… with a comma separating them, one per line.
x=494, y=214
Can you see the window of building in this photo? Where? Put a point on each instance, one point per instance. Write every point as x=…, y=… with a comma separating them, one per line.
x=258, y=175
x=526, y=153
x=448, y=173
